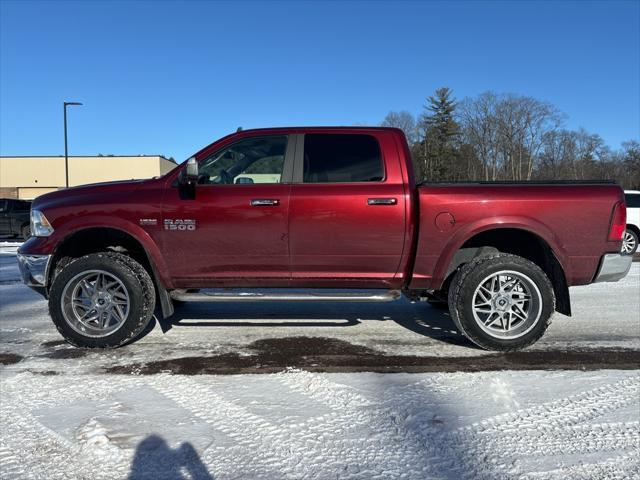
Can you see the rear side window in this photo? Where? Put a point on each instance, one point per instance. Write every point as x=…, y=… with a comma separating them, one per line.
x=342, y=158
x=632, y=200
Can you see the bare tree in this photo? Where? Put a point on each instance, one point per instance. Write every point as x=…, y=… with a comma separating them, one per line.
x=478, y=121
x=507, y=132
x=405, y=121
x=509, y=137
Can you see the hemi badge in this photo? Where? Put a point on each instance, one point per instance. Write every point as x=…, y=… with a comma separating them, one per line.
x=148, y=221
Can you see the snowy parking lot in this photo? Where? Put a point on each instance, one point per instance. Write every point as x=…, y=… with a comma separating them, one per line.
x=569, y=407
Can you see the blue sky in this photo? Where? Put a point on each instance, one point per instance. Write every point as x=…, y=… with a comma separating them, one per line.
x=169, y=77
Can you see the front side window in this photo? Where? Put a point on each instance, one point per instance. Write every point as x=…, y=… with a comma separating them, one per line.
x=252, y=160
x=339, y=158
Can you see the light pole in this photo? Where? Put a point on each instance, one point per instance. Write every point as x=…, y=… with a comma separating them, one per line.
x=66, y=152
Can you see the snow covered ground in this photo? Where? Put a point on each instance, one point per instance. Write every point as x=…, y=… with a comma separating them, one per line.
x=298, y=424
x=63, y=416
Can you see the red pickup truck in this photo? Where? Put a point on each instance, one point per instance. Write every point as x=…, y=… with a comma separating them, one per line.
x=319, y=214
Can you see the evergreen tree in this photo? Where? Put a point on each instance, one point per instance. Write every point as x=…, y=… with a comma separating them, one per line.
x=440, y=129
x=440, y=120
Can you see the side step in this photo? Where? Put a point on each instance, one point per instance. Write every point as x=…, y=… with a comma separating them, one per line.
x=245, y=296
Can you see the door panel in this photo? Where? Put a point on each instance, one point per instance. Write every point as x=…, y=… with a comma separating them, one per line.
x=339, y=238
x=347, y=234
x=234, y=230
x=233, y=242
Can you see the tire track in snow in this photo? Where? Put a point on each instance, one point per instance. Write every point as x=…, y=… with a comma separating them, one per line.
x=10, y=463
x=543, y=429
x=564, y=412
x=549, y=429
x=572, y=440
x=623, y=467
x=419, y=453
x=49, y=457
x=259, y=442
x=50, y=454
x=362, y=436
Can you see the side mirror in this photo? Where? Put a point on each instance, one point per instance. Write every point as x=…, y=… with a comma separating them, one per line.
x=189, y=174
x=244, y=180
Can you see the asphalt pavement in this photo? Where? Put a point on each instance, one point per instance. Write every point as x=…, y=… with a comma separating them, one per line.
x=604, y=332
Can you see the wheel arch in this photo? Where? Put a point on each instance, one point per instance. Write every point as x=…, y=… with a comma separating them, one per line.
x=517, y=241
x=634, y=227
x=92, y=239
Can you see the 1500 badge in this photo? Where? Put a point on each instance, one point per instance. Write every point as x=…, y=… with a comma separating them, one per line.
x=180, y=224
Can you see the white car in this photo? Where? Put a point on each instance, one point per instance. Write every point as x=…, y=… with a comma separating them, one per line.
x=631, y=235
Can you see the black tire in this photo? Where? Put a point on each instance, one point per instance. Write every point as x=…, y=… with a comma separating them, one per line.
x=134, y=278
x=468, y=280
x=25, y=232
x=630, y=242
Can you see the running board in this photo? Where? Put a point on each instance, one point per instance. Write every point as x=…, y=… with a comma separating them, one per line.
x=244, y=296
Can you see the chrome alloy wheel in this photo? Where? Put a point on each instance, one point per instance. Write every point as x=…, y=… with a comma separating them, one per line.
x=507, y=304
x=628, y=243
x=95, y=303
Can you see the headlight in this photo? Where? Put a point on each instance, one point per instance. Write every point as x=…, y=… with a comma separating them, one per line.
x=40, y=226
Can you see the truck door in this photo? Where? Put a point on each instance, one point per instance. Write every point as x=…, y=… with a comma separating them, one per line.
x=347, y=218
x=233, y=232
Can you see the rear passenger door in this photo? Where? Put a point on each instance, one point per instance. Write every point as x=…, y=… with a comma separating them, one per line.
x=347, y=212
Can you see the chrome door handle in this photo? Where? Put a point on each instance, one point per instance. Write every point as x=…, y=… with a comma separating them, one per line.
x=265, y=202
x=382, y=201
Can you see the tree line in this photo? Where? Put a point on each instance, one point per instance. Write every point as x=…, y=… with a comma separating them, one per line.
x=508, y=137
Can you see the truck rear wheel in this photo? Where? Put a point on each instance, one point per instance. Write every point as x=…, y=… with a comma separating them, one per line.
x=501, y=302
x=102, y=300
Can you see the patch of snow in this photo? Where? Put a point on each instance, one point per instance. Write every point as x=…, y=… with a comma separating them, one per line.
x=298, y=424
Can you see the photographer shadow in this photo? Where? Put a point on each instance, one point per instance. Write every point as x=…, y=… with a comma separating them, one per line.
x=155, y=460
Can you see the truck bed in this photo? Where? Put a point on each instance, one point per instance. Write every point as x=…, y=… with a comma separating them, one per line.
x=572, y=218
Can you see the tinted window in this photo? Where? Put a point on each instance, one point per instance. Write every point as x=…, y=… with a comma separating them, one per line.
x=632, y=200
x=342, y=158
x=252, y=160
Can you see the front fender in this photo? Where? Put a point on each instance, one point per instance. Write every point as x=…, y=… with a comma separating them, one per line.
x=49, y=245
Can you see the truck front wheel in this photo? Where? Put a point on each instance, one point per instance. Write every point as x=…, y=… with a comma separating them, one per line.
x=101, y=300
x=501, y=302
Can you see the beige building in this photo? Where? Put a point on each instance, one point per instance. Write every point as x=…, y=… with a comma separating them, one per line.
x=28, y=177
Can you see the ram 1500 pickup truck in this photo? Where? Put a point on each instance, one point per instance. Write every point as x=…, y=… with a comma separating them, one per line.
x=319, y=214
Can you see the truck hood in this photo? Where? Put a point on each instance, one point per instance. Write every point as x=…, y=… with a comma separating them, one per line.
x=89, y=193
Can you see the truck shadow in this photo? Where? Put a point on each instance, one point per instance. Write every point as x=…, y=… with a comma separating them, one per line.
x=419, y=318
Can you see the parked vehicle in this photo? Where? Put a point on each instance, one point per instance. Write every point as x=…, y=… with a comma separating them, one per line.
x=632, y=233
x=319, y=208
x=14, y=217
